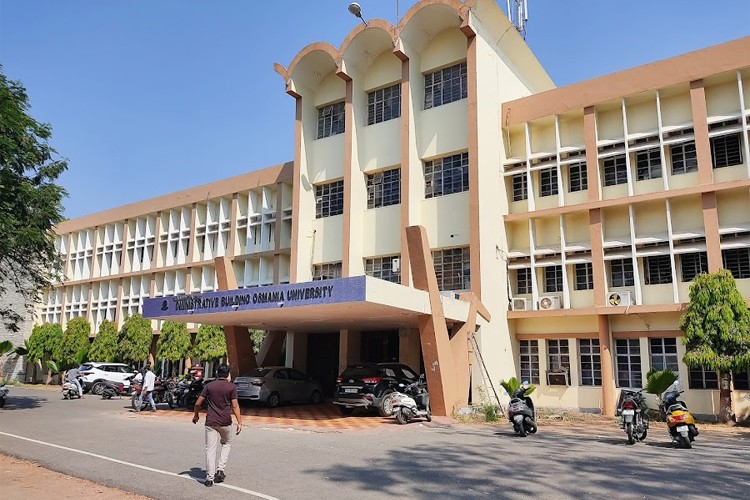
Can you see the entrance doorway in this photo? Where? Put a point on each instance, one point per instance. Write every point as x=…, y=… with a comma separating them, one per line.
x=323, y=360
x=380, y=347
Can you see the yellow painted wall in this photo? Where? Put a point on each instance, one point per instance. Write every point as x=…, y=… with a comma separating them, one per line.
x=372, y=155
x=518, y=236
x=730, y=173
x=609, y=124
x=571, y=133
x=515, y=143
x=442, y=130
x=618, y=191
x=579, y=298
x=327, y=159
x=446, y=219
x=616, y=223
x=686, y=213
x=577, y=228
x=656, y=294
x=543, y=138
x=381, y=231
x=547, y=231
x=445, y=49
x=642, y=117
x=384, y=72
x=559, y=324
x=650, y=218
x=331, y=89
x=327, y=240
x=676, y=109
x=733, y=207
x=723, y=99
x=647, y=186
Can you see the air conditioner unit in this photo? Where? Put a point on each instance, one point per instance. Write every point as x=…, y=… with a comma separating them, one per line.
x=615, y=299
x=395, y=264
x=520, y=304
x=549, y=302
x=557, y=378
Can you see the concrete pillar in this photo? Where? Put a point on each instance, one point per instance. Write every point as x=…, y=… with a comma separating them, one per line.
x=608, y=377
x=408, y=348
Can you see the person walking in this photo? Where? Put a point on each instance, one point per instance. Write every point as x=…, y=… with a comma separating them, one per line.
x=221, y=396
x=149, y=379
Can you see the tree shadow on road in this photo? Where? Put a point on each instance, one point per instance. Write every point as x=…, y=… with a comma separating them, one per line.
x=22, y=403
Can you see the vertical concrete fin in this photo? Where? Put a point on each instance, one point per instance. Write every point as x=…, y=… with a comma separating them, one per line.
x=239, y=344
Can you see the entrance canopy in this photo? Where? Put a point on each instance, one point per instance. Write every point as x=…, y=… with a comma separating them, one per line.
x=357, y=303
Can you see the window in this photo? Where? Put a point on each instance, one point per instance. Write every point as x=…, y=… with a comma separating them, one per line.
x=693, y=264
x=684, y=158
x=558, y=356
x=445, y=86
x=331, y=120
x=584, y=276
x=520, y=191
x=648, y=164
x=452, y=268
x=737, y=261
x=578, y=177
x=548, y=181
x=622, y=273
x=384, y=104
x=384, y=188
x=591, y=362
x=741, y=380
x=529, y=361
x=446, y=175
x=329, y=199
x=701, y=378
x=664, y=354
x=553, y=279
x=615, y=170
x=725, y=150
x=523, y=280
x=658, y=269
x=326, y=271
x=382, y=267
x=628, y=363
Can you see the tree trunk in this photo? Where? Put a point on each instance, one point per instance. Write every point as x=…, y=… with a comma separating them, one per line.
x=725, y=398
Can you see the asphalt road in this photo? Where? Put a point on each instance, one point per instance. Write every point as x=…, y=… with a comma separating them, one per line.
x=162, y=456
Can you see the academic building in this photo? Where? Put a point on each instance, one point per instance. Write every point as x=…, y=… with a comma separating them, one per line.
x=449, y=208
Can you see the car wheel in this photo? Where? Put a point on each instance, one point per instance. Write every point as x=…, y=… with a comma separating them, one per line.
x=315, y=397
x=346, y=411
x=97, y=388
x=385, y=409
x=274, y=400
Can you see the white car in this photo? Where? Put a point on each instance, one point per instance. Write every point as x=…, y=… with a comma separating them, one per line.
x=95, y=373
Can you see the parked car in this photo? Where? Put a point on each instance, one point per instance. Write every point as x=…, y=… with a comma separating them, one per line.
x=95, y=373
x=277, y=384
x=365, y=385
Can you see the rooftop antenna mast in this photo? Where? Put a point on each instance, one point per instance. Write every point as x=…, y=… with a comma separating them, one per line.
x=519, y=15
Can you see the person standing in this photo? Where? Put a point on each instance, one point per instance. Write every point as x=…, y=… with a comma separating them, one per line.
x=221, y=397
x=149, y=379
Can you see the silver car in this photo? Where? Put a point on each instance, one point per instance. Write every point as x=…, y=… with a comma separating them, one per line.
x=277, y=384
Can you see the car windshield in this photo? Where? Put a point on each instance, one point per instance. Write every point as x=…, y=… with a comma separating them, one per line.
x=86, y=367
x=359, y=372
x=258, y=372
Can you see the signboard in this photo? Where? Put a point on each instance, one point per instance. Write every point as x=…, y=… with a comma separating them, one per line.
x=266, y=297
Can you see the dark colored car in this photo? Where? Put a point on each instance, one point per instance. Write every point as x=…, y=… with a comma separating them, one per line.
x=365, y=385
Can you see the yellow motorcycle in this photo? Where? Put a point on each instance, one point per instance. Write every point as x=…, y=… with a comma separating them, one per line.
x=680, y=422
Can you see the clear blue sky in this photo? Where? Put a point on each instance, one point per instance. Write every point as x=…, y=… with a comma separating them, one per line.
x=147, y=97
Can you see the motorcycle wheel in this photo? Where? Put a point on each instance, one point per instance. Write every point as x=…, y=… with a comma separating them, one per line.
x=521, y=430
x=643, y=435
x=190, y=402
x=170, y=402
x=134, y=402
x=685, y=441
x=429, y=414
x=385, y=409
x=401, y=418
x=629, y=431
x=530, y=425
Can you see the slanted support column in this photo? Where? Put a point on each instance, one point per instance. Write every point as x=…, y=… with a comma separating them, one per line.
x=433, y=333
x=461, y=346
x=239, y=344
x=270, y=351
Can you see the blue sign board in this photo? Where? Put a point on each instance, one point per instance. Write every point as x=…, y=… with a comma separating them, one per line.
x=333, y=291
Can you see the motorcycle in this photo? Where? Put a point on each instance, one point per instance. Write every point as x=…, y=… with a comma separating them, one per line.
x=632, y=408
x=521, y=412
x=194, y=391
x=163, y=393
x=680, y=422
x=411, y=401
x=3, y=394
x=182, y=388
x=70, y=390
x=111, y=389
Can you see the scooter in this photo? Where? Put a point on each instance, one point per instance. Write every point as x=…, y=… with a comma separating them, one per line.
x=680, y=422
x=112, y=389
x=3, y=394
x=411, y=401
x=521, y=412
x=634, y=421
x=70, y=390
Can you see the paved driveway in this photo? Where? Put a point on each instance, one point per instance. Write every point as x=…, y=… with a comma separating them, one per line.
x=161, y=457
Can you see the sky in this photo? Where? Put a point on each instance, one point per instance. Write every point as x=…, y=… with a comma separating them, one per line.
x=148, y=97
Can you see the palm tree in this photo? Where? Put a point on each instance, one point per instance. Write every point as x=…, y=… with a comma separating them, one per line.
x=657, y=382
x=513, y=384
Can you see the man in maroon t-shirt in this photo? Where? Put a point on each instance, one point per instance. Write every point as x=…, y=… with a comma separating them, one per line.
x=221, y=396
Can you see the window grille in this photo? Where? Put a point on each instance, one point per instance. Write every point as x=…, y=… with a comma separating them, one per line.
x=584, y=276
x=523, y=280
x=701, y=378
x=384, y=104
x=445, y=86
x=548, y=181
x=326, y=271
x=384, y=188
x=553, y=279
x=684, y=158
x=649, y=164
x=578, y=177
x=452, y=268
x=446, y=175
x=520, y=191
x=658, y=269
x=382, y=267
x=529, y=361
x=741, y=380
x=558, y=355
x=726, y=150
x=628, y=363
x=591, y=362
x=331, y=120
x=615, y=170
x=737, y=261
x=664, y=354
x=329, y=199
x=622, y=273
x=693, y=264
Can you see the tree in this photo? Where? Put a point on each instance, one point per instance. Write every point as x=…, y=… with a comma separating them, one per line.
x=75, y=342
x=657, y=382
x=513, y=384
x=104, y=346
x=210, y=343
x=174, y=341
x=717, y=331
x=135, y=339
x=44, y=345
x=30, y=203
x=258, y=336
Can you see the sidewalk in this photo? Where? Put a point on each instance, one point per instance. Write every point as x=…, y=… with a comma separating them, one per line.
x=24, y=480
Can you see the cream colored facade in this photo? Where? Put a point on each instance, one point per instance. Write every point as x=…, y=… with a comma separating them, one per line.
x=456, y=160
